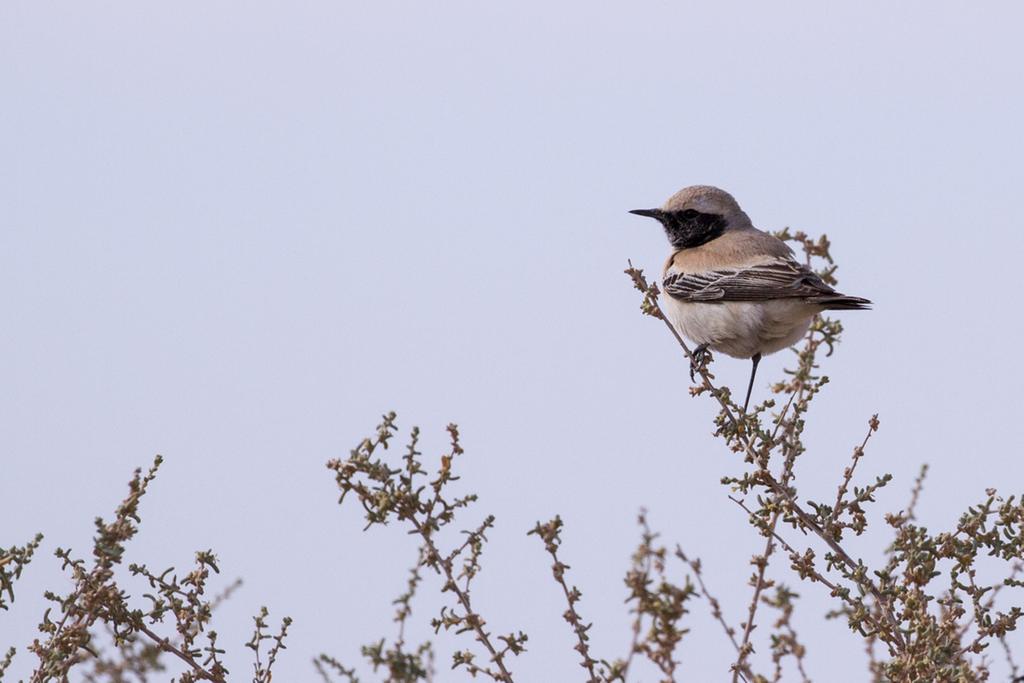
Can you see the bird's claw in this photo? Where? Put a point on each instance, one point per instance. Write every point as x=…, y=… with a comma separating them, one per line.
x=698, y=359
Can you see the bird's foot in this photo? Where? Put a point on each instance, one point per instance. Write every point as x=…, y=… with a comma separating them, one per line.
x=698, y=360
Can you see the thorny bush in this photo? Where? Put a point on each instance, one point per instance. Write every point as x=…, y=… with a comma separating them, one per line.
x=929, y=613
x=96, y=610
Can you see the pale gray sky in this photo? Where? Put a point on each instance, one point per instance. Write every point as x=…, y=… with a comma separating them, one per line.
x=236, y=233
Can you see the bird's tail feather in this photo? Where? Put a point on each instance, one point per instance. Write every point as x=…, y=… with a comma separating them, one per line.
x=841, y=302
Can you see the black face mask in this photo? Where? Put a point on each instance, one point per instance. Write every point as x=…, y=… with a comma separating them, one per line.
x=689, y=228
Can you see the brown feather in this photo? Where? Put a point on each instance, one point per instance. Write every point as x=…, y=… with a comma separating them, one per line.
x=734, y=249
x=748, y=265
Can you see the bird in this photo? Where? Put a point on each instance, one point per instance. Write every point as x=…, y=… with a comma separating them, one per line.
x=732, y=288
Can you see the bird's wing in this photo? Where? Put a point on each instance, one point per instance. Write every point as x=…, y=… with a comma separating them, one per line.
x=781, y=278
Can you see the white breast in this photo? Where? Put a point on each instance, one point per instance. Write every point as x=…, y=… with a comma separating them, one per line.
x=741, y=329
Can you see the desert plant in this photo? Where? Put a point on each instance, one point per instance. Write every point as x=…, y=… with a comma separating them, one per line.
x=926, y=615
x=98, y=605
x=931, y=611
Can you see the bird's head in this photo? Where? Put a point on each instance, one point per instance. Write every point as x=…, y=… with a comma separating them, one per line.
x=696, y=215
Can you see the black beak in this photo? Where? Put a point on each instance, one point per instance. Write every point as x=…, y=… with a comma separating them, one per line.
x=650, y=213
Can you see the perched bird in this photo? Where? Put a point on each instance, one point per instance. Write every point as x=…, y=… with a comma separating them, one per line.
x=732, y=288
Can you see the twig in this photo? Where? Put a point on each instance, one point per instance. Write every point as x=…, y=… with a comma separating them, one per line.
x=165, y=645
x=387, y=493
x=858, y=453
x=761, y=562
x=651, y=292
x=854, y=567
x=1014, y=669
x=763, y=559
x=404, y=601
x=634, y=644
x=476, y=622
x=915, y=493
x=716, y=609
x=549, y=534
x=814, y=574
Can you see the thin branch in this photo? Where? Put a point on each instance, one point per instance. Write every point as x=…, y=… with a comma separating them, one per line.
x=854, y=567
x=763, y=559
x=915, y=493
x=716, y=608
x=165, y=645
x=476, y=622
x=549, y=534
x=745, y=648
x=858, y=453
x=813, y=574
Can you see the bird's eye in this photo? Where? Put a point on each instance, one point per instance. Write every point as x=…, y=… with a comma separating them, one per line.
x=689, y=213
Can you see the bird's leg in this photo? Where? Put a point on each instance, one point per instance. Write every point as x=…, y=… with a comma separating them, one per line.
x=756, y=358
x=697, y=359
